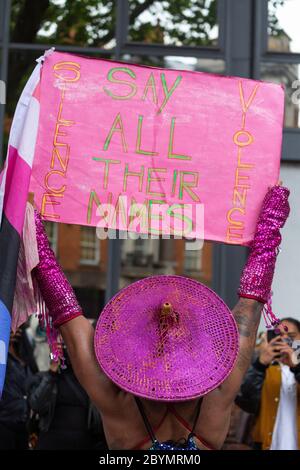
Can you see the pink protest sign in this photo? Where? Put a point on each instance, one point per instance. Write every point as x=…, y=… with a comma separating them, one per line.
x=149, y=149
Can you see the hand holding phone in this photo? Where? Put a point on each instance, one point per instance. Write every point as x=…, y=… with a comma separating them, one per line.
x=269, y=352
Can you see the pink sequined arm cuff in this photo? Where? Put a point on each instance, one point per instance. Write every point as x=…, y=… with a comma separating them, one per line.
x=56, y=290
x=257, y=276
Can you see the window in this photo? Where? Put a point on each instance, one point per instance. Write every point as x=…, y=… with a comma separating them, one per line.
x=283, y=26
x=284, y=39
x=89, y=246
x=71, y=23
x=172, y=23
x=277, y=59
x=179, y=63
x=140, y=252
x=288, y=75
x=192, y=261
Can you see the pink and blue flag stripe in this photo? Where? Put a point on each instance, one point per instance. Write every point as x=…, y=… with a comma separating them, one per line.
x=14, y=185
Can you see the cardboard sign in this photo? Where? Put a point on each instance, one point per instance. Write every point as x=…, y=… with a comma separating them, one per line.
x=151, y=150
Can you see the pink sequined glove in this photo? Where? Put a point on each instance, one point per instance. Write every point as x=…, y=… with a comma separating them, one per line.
x=56, y=290
x=257, y=275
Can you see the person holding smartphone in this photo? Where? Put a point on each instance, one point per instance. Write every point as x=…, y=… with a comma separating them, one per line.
x=271, y=389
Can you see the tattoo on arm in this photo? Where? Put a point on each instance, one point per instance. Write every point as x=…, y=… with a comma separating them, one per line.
x=247, y=315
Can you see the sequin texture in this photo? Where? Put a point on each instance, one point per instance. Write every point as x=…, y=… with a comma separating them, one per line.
x=257, y=276
x=56, y=290
x=189, y=445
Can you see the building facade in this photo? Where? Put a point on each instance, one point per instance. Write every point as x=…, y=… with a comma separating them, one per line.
x=249, y=38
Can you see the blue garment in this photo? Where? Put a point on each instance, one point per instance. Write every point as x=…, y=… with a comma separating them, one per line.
x=169, y=445
x=188, y=444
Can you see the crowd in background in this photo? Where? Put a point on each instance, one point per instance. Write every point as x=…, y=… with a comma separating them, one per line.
x=266, y=414
x=43, y=406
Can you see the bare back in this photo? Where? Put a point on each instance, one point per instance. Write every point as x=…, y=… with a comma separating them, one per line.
x=125, y=429
x=123, y=425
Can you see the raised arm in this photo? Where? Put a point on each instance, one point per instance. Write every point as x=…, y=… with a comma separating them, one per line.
x=247, y=314
x=66, y=315
x=256, y=281
x=78, y=334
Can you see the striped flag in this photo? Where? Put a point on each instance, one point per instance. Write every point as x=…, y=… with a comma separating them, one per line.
x=14, y=185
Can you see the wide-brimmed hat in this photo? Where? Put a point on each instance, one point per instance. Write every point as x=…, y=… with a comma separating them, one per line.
x=166, y=338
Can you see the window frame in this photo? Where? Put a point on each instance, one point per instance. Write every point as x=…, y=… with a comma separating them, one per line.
x=291, y=136
x=242, y=44
x=87, y=261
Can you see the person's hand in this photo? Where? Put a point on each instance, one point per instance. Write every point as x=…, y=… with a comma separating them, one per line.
x=287, y=355
x=55, y=288
x=54, y=365
x=279, y=183
x=257, y=275
x=268, y=351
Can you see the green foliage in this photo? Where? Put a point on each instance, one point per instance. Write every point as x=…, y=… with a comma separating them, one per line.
x=187, y=22
x=92, y=22
x=273, y=23
x=80, y=22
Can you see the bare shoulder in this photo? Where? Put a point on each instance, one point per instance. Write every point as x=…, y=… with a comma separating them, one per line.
x=122, y=423
x=78, y=335
x=214, y=418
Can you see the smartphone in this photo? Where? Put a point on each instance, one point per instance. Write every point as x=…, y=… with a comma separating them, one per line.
x=271, y=335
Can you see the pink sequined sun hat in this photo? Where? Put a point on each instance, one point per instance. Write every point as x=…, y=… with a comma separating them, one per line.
x=166, y=338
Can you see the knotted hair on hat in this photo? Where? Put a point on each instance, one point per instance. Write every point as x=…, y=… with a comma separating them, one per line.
x=166, y=338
